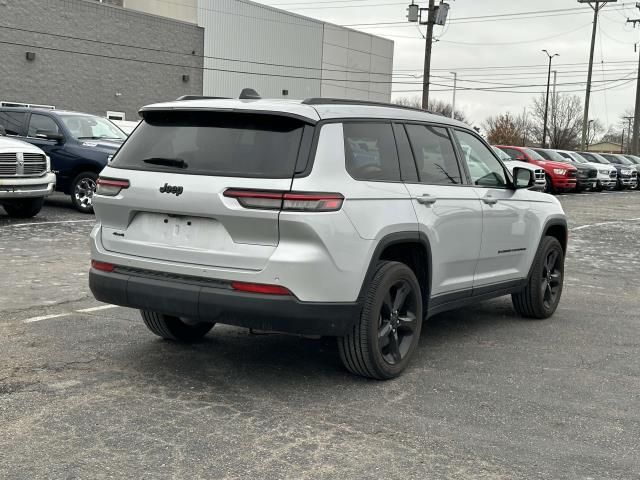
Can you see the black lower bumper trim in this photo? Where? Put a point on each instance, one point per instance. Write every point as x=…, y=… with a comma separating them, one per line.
x=262, y=312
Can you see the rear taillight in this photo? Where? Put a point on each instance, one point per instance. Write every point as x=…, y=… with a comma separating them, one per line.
x=290, y=201
x=260, y=288
x=103, y=266
x=110, y=187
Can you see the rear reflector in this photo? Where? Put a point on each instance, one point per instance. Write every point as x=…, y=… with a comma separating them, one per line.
x=291, y=201
x=110, y=187
x=102, y=266
x=260, y=288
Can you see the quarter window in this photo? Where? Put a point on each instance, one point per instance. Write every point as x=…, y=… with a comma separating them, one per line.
x=41, y=123
x=370, y=152
x=434, y=154
x=484, y=167
x=12, y=122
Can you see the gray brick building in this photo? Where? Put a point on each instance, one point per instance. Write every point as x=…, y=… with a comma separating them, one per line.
x=95, y=57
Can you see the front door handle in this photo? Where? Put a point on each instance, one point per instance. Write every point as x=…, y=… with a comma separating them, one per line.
x=489, y=200
x=426, y=199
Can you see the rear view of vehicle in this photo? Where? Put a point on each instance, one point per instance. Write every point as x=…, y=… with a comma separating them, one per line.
x=196, y=218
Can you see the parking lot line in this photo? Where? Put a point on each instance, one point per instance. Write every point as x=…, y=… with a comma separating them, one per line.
x=45, y=317
x=48, y=223
x=600, y=224
x=95, y=309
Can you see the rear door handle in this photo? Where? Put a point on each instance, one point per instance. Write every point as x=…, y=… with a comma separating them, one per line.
x=426, y=199
x=489, y=200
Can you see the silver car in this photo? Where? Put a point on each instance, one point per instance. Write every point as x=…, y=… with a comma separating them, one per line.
x=318, y=217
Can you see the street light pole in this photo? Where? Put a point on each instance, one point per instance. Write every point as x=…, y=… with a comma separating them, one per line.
x=546, y=102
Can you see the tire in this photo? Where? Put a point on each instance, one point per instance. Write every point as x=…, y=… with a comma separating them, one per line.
x=173, y=328
x=548, y=186
x=83, y=188
x=25, y=208
x=599, y=186
x=368, y=350
x=541, y=296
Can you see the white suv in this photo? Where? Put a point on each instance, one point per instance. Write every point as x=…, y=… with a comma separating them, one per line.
x=318, y=217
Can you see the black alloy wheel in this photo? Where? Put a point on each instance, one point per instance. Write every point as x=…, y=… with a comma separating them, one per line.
x=398, y=322
x=551, y=282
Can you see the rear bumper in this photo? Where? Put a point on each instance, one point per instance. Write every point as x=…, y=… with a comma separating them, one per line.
x=223, y=305
x=27, y=187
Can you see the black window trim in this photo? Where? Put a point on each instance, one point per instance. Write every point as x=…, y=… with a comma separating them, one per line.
x=507, y=175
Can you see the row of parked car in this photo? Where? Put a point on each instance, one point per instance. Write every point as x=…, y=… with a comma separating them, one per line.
x=45, y=150
x=566, y=171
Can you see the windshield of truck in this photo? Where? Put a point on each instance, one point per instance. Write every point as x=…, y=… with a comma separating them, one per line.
x=89, y=127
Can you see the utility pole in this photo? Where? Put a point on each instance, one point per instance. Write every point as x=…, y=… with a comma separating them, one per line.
x=628, y=119
x=599, y=5
x=635, y=146
x=455, y=85
x=435, y=16
x=554, y=106
x=546, y=102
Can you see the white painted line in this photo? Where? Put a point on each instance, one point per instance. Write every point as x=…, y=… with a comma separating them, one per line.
x=95, y=309
x=49, y=223
x=45, y=317
x=582, y=227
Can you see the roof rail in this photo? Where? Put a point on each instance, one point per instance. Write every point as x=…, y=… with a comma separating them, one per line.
x=200, y=97
x=344, y=101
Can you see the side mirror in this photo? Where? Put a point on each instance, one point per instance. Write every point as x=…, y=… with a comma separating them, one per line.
x=522, y=178
x=47, y=135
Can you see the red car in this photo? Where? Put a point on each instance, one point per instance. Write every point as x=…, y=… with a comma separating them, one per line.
x=561, y=177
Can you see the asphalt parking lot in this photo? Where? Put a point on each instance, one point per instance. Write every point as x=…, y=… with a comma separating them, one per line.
x=87, y=392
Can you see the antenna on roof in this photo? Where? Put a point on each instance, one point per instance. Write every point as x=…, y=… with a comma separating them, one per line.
x=249, y=94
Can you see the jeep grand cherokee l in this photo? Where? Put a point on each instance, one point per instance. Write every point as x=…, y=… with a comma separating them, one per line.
x=319, y=217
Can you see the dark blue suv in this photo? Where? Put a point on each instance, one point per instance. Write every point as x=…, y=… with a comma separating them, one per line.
x=78, y=144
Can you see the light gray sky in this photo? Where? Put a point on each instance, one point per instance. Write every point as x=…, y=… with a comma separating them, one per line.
x=469, y=44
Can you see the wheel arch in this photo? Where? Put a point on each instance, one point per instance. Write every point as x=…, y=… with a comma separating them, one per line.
x=557, y=228
x=78, y=169
x=410, y=248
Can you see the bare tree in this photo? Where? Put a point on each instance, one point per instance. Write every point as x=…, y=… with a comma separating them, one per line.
x=565, y=120
x=435, y=106
x=503, y=129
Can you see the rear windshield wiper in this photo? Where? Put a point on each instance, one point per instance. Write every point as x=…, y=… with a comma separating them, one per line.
x=166, y=162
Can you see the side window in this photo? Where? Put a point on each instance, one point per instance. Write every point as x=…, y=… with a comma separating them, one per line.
x=434, y=154
x=370, y=151
x=484, y=167
x=512, y=152
x=41, y=122
x=12, y=122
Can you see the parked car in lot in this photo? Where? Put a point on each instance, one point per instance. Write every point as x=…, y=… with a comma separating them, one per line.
x=626, y=167
x=587, y=172
x=510, y=163
x=636, y=161
x=25, y=177
x=318, y=218
x=77, y=143
x=559, y=176
x=604, y=168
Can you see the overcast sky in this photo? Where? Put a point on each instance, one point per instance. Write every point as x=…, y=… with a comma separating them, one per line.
x=468, y=45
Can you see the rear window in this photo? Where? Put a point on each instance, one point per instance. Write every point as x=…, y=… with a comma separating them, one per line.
x=214, y=143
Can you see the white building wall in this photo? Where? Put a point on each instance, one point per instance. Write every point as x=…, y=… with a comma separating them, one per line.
x=185, y=10
x=264, y=49
x=252, y=45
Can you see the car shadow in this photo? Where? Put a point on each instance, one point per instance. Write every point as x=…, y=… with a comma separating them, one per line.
x=229, y=354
